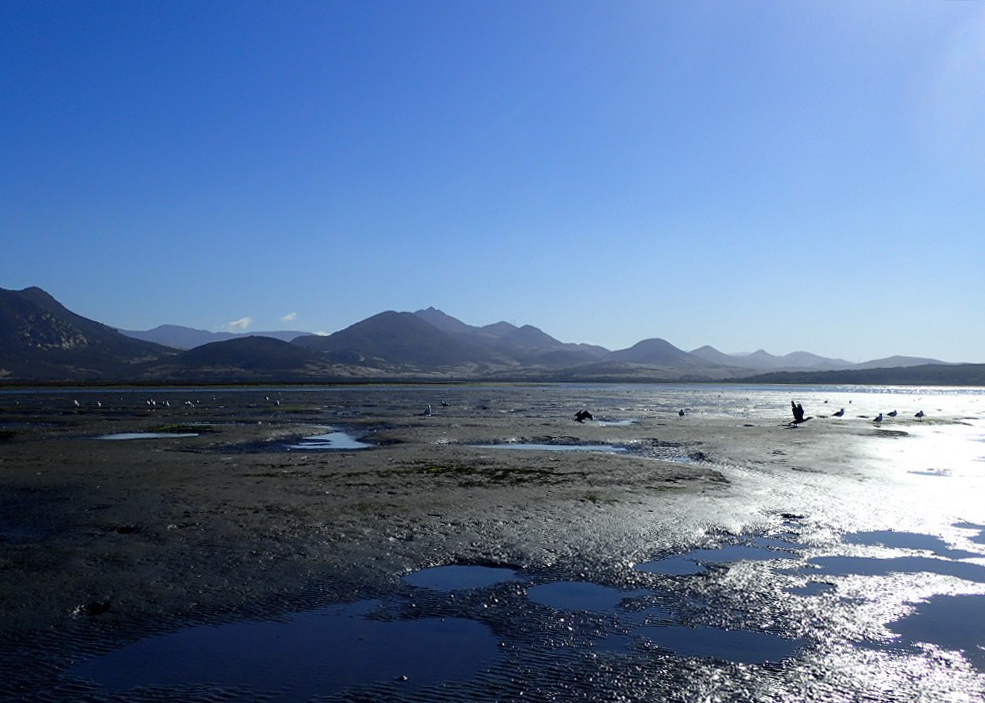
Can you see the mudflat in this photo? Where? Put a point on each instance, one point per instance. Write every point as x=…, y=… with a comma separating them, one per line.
x=127, y=512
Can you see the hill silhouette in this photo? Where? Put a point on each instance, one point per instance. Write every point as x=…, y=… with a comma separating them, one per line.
x=40, y=339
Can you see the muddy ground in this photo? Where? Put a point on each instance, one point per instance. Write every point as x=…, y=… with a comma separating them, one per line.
x=104, y=540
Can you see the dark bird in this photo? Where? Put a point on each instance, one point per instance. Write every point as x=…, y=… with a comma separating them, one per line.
x=583, y=415
x=919, y=413
x=878, y=418
x=798, y=413
x=681, y=413
x=839, y=413
x=892, y=413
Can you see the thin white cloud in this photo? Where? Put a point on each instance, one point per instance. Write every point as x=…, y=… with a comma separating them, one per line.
x=289, y=317
x=239, y=325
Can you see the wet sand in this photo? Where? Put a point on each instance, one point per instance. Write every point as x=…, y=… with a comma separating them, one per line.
x=102, y=541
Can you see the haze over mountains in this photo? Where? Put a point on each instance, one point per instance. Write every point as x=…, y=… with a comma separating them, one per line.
x=41, y=340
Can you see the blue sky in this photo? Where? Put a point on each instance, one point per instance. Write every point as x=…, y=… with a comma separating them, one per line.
x=784, y=174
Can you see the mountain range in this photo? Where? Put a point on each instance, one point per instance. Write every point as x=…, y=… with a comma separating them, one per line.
x=42, y=341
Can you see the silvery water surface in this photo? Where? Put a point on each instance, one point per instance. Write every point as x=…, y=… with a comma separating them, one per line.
x=862, y=582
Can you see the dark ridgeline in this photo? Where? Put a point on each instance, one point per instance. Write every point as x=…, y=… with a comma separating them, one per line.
x=41, y=341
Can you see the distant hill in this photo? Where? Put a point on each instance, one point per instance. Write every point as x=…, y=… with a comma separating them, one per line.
x=656, y=352
x=396, y=339
x=896, y=362
x=761, y=360
x=522, y=345
x=924, y=375
x=41, y=340
x=242, y=358
x=188, y=338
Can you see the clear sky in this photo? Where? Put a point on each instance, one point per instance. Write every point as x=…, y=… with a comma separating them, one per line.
x=784, y=174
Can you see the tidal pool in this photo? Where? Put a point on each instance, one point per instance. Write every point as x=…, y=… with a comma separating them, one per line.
x=455, y=577
x=577, y=595
x=864, y=566
x=910, y=540
x=694, y=562
x=316, y=653
x=950, y=622
x=334, y=440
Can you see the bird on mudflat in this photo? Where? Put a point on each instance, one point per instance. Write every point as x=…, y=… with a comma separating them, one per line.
x=583, y=415
x=798, y=413
x=839, y=413
x=891, y=413
x=681, y=413
x=878, y=418
x=919, y=413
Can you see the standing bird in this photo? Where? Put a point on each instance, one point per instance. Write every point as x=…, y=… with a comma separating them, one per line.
x=878, y=418
x=681, y=413
x=919, y=413
x=839, y=413
x=891, y=413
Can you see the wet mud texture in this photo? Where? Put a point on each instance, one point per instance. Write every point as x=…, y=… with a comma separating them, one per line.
x=102, y=542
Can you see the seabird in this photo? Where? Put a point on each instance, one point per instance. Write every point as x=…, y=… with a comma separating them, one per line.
x=892, y=413
x=798, y=413
x=583, y=415
x=681, y=412
x=878, y=418
x=839, y=413
x=427, y=410
x=919, y=413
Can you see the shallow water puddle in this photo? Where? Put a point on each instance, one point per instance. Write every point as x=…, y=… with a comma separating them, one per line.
x=694, y=562
x=316, y=653
x=457, y=577
x=122, y=436
x=577, y=595
x=950, y=622
x=334, y=440
x=864, y=566
x=909, y=540
x=729, y=645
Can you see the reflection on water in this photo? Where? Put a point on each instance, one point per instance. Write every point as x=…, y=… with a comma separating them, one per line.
x=329, y=441
x=729, y=645
x=951, y=622
x=460, y=576
x=757, y=549
x=861, y=566
x=909, y=540
x=317, y=653
x=576, y=595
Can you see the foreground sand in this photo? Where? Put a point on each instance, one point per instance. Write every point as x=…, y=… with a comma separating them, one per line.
x=101, y=541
